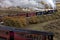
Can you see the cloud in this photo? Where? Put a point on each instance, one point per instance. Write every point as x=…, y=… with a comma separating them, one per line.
x=25, y=3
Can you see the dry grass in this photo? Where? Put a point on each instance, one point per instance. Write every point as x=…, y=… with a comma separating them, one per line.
x=49, y=23
x=15, y=21
x=53, y=27
x=32, y=20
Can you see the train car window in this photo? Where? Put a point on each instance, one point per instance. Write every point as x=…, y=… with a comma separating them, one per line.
x=27, y=36
x=26, y=14
x=38, y=37
x=47, y=38
x=35, y=37
x=1, y=38
x=43, y=37
x=22, y=35
x=39, y=13
x=6, y=32
x=31, y=36
x=1, y=31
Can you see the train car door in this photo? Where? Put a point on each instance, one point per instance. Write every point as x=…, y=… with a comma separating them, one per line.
x=50, y=37
x=11, y=33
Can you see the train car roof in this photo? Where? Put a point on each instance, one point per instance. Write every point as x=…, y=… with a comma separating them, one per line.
x=5, y=28
x=24, y=30
x=34, y=32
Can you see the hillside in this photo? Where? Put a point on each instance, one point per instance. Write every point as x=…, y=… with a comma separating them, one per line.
x=47, y=23
x=49, y=26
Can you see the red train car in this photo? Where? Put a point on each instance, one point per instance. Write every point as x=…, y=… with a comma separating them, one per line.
x=27, y=14
x=31, y=14
x=24, y=14
x=21, y=14
x=8, y=33
x=5, y=35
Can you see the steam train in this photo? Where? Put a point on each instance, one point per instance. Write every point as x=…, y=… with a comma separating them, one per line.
x=9, y=33
x=45, y=12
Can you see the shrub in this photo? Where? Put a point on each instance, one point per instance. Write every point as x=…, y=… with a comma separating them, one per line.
x=33, y=20
x=15, y=21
